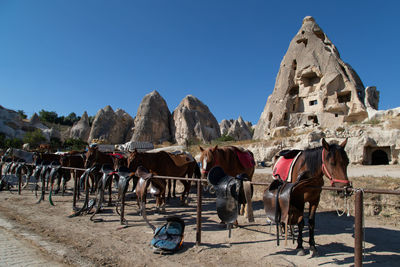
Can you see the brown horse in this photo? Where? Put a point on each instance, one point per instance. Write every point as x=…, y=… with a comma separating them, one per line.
x=330, y=160
x=163, y=164
x=157, y=187
x=94, y=157
x=233, y=161
x=227, y=158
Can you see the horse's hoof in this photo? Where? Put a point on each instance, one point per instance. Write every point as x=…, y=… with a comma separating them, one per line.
x=301, y=252
x=314, y=252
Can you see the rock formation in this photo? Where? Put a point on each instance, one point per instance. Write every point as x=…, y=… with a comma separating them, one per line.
x=112, y=127
x=238, y=129
x=192, y=120
x=11, y=125
x=81, y=129
x=313, y=87
x=152, y=121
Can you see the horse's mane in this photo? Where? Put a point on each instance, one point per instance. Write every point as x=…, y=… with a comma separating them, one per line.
x=313, y=159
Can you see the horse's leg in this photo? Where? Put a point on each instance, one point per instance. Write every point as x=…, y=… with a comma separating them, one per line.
x=311, y=224
x=300, y=248
x=173, y=188
x=169, y=189
x=185, y=194
x=110, y=191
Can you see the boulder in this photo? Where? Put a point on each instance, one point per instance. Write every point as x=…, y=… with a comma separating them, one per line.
x=152, y=121
x=313, y=86
x=192, y=120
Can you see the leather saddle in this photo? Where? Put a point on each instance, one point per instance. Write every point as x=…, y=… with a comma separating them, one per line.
x=228, y=191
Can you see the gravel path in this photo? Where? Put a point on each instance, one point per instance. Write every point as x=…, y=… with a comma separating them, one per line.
x=16, y=250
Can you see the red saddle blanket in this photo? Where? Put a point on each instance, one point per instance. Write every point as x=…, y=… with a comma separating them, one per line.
x=283, y=168
x=246, y=159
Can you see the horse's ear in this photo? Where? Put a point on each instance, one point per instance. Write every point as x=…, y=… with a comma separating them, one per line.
x=215, y=148
x=344, y=143
x=201, y=149
x=325, y=144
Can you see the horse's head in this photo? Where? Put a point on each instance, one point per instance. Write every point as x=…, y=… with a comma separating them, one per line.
x=135, y=159
x=334, y=163
x=207, y=160
x=119, y=160
x=91, y=156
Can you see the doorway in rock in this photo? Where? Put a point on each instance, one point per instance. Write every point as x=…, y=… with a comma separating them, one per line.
x=379, y=157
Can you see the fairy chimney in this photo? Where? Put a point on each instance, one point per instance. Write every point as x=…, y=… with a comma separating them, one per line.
x=152, y=122
x=313, y=86
x=192, y=120
x=81, y=129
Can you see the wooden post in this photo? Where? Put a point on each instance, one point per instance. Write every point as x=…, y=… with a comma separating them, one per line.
x=198, y=218
x=358, y=228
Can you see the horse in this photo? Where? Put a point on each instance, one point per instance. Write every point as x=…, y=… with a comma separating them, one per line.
x=163, y=164
x=311, y=165
x=94, y=157
x=72, y=159
x=234, y=161
x=157, y=187
x=182, y=158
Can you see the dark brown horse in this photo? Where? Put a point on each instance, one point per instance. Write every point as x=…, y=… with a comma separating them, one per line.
x=234, y=161
x=147, y=182
x=94, y=157
x=163, y=164
x=330, y=160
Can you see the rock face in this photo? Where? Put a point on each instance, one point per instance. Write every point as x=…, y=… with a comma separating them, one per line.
x=192, y=120
x=11, y=125
x=371, y=100
x=81, y=129
x=238, y=129
x=152, y=122
x=313, y=87
x=112, y=127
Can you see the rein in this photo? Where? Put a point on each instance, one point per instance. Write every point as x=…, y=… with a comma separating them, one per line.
x=327, y=174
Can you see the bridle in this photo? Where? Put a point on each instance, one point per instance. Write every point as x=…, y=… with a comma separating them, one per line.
x=327, y=174
x=204, y=171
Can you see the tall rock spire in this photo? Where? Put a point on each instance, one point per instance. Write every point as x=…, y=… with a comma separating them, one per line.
x=313, y=86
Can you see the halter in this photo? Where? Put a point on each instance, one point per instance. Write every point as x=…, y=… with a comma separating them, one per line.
x=204, y=171
x=327, y=174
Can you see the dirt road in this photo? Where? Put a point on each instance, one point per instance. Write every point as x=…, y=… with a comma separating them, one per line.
x=78, y=241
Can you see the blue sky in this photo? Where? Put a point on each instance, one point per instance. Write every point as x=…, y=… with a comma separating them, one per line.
x=72, y=56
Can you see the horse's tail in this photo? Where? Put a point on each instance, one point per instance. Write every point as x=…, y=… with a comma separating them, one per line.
x=197, y=172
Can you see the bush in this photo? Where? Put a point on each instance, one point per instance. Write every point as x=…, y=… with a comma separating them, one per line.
x=34, y=138
x=74, y=144
x=9, y=142
x=225, y=138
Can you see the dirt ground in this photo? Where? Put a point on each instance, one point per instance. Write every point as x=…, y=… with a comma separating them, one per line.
x=81, y=242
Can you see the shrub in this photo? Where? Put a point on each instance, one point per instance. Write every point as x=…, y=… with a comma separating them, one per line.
x=34, y=138
x=74, y=144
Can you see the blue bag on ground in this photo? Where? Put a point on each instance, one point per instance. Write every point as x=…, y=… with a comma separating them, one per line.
x=169, y=237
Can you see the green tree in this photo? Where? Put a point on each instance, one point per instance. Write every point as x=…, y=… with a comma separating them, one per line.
x=48, y=116
x=34, y=138
x=22, y=114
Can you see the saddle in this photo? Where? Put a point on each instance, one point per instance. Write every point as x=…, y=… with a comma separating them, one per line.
x=229, y=192
x=180, y=159
x=279, y=205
